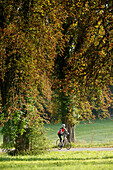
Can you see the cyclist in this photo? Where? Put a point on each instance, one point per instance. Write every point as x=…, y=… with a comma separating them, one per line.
x=62, y=132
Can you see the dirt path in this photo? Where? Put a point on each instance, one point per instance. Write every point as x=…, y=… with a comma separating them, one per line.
x=85, y=149
x=0, y=150
x=80, y=149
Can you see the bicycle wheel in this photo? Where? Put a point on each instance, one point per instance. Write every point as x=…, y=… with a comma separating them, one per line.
x=59, y=147
x=68, y=145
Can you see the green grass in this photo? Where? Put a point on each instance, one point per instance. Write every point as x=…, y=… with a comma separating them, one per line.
x=87, y=160
x=99, y=133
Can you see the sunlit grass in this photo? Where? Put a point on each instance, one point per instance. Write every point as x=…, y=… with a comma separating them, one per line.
x=87, y=160
x=99, y=131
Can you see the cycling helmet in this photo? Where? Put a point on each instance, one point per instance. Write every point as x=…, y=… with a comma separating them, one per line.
x=63, y=125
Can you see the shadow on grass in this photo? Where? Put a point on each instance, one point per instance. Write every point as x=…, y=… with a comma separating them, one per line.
x=2, y=159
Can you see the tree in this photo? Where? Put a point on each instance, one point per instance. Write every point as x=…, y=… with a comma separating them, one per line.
x=83, y=67
x=28, y=50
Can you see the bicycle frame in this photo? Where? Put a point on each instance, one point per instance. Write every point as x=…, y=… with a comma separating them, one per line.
x=65, y=143
x=65, y=140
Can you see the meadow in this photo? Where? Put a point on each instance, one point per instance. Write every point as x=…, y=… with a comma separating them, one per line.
x=99, y=133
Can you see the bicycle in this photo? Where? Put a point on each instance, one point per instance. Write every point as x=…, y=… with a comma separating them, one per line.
x=65, y=144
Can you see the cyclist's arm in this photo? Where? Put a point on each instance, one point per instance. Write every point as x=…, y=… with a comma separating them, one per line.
x=67, y=133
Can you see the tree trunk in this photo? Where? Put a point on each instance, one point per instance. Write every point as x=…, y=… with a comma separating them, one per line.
x=4, y=93
x=22, y=142
x=65, y=103
x=71, y=130
x=73, y=134
x=5, y=139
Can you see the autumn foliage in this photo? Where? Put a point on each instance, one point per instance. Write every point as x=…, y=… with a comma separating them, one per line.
x=55, y=55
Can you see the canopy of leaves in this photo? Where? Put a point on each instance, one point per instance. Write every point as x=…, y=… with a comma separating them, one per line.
x=30, y=32
x=84, y=67
x=65, y=45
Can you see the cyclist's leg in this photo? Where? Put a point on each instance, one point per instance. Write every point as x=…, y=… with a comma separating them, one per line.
x=68, y=144
x=64, y=135
x=59, y=135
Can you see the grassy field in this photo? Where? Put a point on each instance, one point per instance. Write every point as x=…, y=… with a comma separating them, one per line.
x=86, y=160
x=99, y=133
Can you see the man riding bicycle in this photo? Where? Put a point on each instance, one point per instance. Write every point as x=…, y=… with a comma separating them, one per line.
x=62, y=132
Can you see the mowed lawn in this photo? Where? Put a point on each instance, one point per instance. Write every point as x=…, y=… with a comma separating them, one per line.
x=70, y=160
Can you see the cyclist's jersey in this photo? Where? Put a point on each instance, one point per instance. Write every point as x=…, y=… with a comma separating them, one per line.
x=62, y=131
